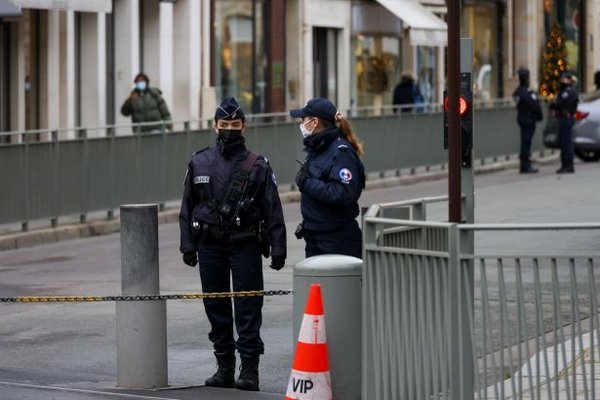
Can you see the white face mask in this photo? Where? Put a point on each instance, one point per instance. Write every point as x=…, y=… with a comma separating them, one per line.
x=305, y=132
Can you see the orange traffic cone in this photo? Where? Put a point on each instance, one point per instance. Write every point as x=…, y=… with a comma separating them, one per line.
x=310, y=377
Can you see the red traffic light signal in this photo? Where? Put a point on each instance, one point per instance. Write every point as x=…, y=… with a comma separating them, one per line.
x=463, y=105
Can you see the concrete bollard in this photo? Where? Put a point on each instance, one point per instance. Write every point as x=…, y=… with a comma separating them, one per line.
x=141, y=325
x=340, y=278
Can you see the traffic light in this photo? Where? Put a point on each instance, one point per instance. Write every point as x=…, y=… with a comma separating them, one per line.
x=466, y=119
x=465, y=104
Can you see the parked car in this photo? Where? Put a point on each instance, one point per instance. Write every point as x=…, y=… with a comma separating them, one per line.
x=586, y=131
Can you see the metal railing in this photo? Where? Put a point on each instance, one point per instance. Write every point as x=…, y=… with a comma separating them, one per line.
x=517, y=319
x=85, y=170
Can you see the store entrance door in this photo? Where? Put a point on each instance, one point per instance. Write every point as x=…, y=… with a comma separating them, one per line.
x=325, y=63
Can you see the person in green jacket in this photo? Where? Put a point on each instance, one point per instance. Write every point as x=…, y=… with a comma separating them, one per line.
x=146, y=104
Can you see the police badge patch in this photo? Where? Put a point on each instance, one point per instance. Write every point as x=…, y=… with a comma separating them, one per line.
x=345, y=175
x=201, y=179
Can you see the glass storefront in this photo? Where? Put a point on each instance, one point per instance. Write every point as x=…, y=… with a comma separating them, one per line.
x=234, y=59
x=480, y=22
x=568, y=15
x=426, y=61
x=378, y=65
x=377, y=51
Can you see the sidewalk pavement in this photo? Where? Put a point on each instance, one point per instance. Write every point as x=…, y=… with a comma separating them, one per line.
x=12, y=238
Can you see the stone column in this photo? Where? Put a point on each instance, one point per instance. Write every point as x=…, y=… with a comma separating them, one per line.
x=67, y=73
x=186, y=70
x=93, y=71
x=127, y=53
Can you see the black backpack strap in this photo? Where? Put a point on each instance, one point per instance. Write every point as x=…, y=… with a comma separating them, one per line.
x=247, y=164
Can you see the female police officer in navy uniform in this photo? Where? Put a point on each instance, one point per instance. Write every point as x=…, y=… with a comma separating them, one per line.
x=230, y=215
x=331, y=180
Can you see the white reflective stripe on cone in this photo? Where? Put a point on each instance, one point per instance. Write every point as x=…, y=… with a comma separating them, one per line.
x=309, y=386
x=312, y=330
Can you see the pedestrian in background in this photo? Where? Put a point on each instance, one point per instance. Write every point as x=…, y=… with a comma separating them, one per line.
x=407, y=92
x=146, y=104
x=564, y=108
x=529, y=111
x=230, y=215
x=331, y=180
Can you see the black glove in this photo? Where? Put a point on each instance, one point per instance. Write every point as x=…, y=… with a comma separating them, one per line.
x=301, y=176
x=190, y=259
x=277, y=263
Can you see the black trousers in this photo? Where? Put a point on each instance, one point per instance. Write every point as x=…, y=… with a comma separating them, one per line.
x=565, y=128
x=346, y=241
x=527, y=131
x=241, y=264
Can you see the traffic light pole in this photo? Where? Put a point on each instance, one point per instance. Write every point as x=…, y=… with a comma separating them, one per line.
x=454, y=139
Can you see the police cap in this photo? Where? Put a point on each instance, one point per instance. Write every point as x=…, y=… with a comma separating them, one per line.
x=229, y=109
x=566, y=77
x=319, y=107
x=523, y=72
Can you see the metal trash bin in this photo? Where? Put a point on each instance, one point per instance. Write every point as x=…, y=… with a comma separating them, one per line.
x=340, y=278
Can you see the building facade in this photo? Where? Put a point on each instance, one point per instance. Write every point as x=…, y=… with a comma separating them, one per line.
x=71, y=63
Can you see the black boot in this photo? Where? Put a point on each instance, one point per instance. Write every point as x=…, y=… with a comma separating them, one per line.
x=248, y=379
x=225, y=375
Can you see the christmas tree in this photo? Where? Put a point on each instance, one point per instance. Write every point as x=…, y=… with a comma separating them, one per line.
x=554, y=63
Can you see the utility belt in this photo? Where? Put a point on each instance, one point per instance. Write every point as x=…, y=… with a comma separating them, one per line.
x=204, y=232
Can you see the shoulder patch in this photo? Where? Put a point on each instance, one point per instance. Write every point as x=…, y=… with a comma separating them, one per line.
x=345, y=175
x=565, y=94
x=534, y=96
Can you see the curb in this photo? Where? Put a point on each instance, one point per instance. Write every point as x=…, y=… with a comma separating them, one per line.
x=36, y=237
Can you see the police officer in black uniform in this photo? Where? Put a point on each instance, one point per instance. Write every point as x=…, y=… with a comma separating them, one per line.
x=230, y=215
x=529, y=112
x=564, y=108
x=331, y=181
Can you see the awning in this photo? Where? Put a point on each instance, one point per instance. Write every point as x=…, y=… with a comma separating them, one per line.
x=71, y=5
x=425, y=28
x=8, y=9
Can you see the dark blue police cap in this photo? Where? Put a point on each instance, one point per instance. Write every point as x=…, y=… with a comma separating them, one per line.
x=523, y=72
x=229, y=109
x=566, y=75
x=319, y=107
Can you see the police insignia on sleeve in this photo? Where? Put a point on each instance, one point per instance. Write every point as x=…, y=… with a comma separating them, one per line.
x=201, y=179
x=345, y=175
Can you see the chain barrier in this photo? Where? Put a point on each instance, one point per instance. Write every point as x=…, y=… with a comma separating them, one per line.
x=183, y=296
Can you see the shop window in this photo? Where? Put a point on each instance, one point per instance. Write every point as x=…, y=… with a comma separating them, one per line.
x=377, y=69
x=239, y=59
x=481, y=24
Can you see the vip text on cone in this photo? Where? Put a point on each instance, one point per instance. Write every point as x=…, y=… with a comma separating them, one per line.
x=310, y=377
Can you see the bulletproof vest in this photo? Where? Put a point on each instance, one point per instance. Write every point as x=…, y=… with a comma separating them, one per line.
x=235, y=201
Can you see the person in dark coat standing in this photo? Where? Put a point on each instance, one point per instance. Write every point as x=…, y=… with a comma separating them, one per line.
x=529, y=111
x=406, y=93
x=331, y=180
x=564, y=107
x=230, y=215
x=146, y=104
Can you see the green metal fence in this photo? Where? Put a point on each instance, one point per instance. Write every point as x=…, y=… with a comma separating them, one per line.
x=46, y=175
x=518, y=321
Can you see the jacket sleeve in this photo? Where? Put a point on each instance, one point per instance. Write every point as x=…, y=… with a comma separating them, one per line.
x=127, y=107
x=187, y=243
x=344, y=182
x=164, y=110
x=272, y=214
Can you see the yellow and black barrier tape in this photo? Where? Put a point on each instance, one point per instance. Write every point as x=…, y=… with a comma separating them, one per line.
x=182, y=296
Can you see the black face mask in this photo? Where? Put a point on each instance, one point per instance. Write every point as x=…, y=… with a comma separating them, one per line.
x=227, y=136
